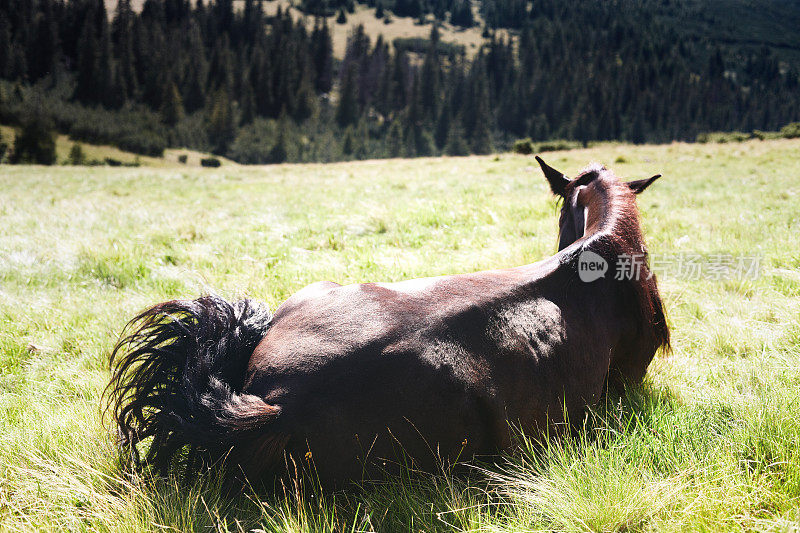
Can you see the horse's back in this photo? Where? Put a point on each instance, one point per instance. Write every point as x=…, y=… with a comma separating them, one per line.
x=362, y=372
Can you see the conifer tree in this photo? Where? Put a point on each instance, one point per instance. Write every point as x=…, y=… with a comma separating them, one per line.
x=104, y=71
x=100, y=15
x=430, y=76
x=171, y=105
x=45, y=44
x=348, y=145
x=322, y=56
x=278, y=152
x=221, y=123
x=481, y=135
x=442, y=130
x=221, y=69
x=77, y=155
x=195, y=71
x=118, y=94
x=462, y=14
x=397, y=92
x=85, y=87
x=5, y=46
x=347, y=109
x=247, y=104
x=383, y=103
x=18, y=62
x=261, y=76
x=394, y=140
x=3, y=149
x=122, y=38
x=418, y=141
x=362, y=140
x=456, y=142
x=305, y=98
x=35, y=142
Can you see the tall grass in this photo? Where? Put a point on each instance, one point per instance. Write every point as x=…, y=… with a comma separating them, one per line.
x=709, y=442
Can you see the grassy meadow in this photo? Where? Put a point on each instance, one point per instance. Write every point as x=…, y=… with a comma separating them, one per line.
x=710, y=442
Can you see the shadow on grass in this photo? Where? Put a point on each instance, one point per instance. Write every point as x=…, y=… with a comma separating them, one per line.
x=457, y=497
x=617, y=413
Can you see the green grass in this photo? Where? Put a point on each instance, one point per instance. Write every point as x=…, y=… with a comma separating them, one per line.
x=710, y=442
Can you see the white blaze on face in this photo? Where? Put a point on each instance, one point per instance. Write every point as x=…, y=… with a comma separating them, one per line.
x=585, y=219
x=579, y=221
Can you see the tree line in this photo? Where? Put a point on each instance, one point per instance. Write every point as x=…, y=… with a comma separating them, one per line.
x=262, y=89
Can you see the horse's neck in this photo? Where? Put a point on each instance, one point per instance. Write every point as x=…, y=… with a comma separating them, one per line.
x=612, y=213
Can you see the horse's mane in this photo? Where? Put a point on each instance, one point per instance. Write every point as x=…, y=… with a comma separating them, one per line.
x=616, y=234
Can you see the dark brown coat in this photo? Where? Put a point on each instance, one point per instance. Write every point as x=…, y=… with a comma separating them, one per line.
x=354, y=379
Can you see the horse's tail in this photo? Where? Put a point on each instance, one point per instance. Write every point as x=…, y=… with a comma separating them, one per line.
x=177, y=376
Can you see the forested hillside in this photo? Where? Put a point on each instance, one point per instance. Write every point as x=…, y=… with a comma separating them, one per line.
x=229, y=78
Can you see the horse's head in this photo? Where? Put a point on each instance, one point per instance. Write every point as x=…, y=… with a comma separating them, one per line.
x=578, y=195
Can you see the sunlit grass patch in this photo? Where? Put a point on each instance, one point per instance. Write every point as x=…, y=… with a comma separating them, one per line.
x=709, y=443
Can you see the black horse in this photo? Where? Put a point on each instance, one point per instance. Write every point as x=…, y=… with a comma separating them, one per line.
x=348, y=378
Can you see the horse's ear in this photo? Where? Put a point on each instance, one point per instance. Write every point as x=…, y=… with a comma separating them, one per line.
x=638, y=186
x=558, y=181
